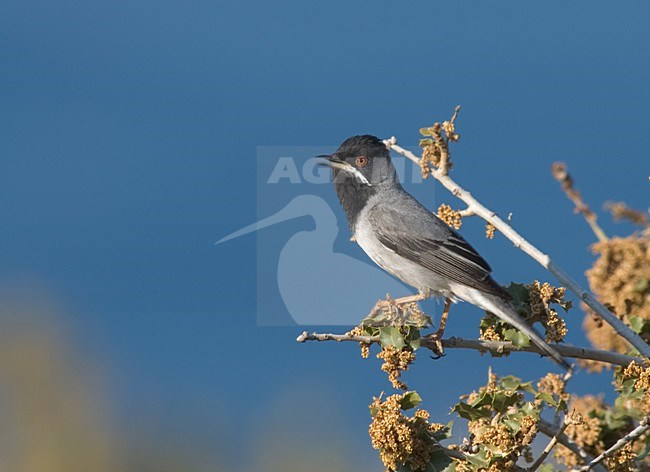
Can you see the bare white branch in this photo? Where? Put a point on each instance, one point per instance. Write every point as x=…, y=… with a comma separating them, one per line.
x=549, y=447
x=496, y=347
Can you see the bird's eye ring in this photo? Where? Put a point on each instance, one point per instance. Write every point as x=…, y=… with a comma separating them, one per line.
x=361, y=161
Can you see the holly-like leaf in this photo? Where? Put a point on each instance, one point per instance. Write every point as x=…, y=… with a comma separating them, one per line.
x=440, y=462
x=517, y=338
x=642, y=285
x=391, y=336
x=444, y=433
x=513, y=422
x=552, y=400
x=566, y=306
x=520, y=298
x=403, y=468
x=410, y=400
x=479, y=459
x=639, y=325
x=501, y=401
x=510, y=382
x=426, y=132
x=469, y=412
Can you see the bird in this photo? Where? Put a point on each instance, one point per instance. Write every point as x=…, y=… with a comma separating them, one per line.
x=410, y=242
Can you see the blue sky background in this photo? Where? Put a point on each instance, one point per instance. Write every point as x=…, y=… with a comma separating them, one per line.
x=128, y=139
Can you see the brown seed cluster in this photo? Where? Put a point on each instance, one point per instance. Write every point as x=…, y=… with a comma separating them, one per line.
x=449, y=216
x=638, y=372
x=541, y=296
x=489, y=230
x=554, y=385
x=591, y=427
x=641, y=377
x=430, y=156
x=620, y=211
x=502, y=445
x=585, y=433
x=395, y=362
x=623, y=459
x=621, y=279
x=399, y=439
x=490, y=333
x=387, y=313
x=450, y=131
x=365, y=347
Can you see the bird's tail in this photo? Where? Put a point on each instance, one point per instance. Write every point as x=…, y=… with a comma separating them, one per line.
x=504, y=310
x=507, y=313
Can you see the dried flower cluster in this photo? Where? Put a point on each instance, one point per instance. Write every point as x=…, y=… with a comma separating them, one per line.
x=402, y=440
x=623, y=460
x=534, y=302
x=600, y=427
x=638, y=373
x=585, y=433
x=449, y=216
x=435, y=145
x=633, y=383
x=503, y=422
x=395, y=362
x=620, y=211
x=489, y=230
x=553, y=384
x=430, y=156
x=365, y=347
x=621, y=279
x=450, y=130
x=541, y=296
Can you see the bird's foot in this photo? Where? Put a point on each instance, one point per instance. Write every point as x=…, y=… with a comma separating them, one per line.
x=436, y=338
x=434, y=342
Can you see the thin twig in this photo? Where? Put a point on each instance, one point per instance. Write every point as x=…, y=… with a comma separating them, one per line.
x=559, y=171
x=644, y=425
x=496, y=347
x=549, y=430
x=543, y=259
x=549, y=447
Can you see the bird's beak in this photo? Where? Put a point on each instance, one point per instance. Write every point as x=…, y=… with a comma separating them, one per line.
x=333, y=162
x=328, y=160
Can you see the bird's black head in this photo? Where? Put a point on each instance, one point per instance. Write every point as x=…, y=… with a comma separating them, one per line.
x=361, y=167
x=362, y=160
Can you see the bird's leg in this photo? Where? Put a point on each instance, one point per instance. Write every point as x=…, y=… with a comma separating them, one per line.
x=443, y=318
x=437, y=336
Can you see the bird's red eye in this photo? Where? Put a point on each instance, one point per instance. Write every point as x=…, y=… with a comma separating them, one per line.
x=361, y=161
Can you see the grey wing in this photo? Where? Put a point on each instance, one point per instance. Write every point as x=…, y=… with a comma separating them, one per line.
x=418, y=235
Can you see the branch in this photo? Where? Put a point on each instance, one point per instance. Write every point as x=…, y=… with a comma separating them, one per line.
x=644, y=426
x=543, y=259
x=548, y=429
x=495, y=347
x=559, y=171
x=549, y=447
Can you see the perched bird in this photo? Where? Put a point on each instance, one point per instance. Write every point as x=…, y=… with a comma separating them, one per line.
x=409, y=241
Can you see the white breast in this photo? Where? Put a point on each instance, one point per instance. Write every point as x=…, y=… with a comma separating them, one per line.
x=404, y=269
